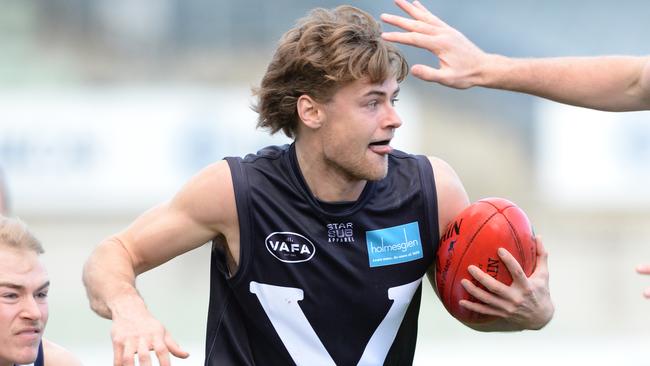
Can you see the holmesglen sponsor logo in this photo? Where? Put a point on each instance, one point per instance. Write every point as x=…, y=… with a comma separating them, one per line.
x=290, y=247
x=393, y=245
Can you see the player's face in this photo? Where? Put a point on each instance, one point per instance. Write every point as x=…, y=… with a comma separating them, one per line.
x=360, y=123
x=23, y=305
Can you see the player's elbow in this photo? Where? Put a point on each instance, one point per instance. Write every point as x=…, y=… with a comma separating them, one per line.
x=90, y=280
x=108, y=264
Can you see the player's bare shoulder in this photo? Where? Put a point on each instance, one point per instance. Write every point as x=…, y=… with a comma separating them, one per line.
x=209, y=196
x=447, y=181
x=452, y=197
x=440, y=167
x=56, y=355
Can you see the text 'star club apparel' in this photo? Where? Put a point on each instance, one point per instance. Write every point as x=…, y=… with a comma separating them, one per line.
x=322, y=284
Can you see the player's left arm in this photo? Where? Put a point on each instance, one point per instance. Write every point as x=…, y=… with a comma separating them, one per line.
x=451, y=198
x=526, y=304
x=56, y=355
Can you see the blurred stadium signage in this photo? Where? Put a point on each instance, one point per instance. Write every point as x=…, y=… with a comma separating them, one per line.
x=123, y=150
x=117, y=150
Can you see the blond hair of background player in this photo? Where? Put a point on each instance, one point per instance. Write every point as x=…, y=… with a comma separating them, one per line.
x=24, y=286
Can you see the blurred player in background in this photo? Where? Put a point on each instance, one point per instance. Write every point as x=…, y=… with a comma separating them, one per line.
x=24, y=287
x=319, y=247
x=608, y=83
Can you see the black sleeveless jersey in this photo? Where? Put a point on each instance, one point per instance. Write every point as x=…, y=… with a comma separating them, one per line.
x=39, y=359
x=319, y=284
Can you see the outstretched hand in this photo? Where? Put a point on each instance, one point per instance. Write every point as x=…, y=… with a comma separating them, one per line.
x=460, y=59
x=135, y=333
x=526, y=303
x=645, y=269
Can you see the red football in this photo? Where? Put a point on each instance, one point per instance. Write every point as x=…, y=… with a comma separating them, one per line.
x=473, y=238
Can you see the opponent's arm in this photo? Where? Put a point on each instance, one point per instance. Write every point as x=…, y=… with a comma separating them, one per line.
x=613, y=83
x=610, y=83
x=526, y=304
x=203, y=209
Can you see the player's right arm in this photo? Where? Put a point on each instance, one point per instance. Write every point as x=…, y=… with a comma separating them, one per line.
x=526, y=303
x=203, y=209
x=612, y=83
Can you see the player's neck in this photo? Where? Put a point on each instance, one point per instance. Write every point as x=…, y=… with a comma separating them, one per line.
x=326, y=182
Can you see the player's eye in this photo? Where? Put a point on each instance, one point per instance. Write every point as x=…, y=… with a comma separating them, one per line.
x=10, y=296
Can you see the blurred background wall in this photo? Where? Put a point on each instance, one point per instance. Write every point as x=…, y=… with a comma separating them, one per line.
x=107, y=107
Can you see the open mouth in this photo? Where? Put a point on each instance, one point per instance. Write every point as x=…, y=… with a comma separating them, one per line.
x=380, y=143
x=380, y=147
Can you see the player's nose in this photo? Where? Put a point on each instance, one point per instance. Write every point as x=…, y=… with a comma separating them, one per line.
x=392, y=119
x=31, y=309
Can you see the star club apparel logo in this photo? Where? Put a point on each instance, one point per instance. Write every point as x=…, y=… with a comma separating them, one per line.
x=340, y=232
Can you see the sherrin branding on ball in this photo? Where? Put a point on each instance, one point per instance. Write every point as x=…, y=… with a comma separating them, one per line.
x=474, y=237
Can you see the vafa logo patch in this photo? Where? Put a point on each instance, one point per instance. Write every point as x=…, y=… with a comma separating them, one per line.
x=290, y=247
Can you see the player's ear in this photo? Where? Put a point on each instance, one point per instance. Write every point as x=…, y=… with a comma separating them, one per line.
x=310, y=111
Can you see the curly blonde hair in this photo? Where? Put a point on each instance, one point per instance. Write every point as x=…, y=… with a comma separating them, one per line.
x=326, y=49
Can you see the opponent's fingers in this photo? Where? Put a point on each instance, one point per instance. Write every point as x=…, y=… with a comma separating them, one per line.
x=492, y=285
x=174, y=348
x=517, y=273
x=643, y=269
x=408, y=24
x=419, y=5
x=143, y=352
x=419, y=12
x=118, y=351
x=427, y=73
x=415, y=39
x=162, y=353
x=483, y=296
x=126, y=357
x=481, y=308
